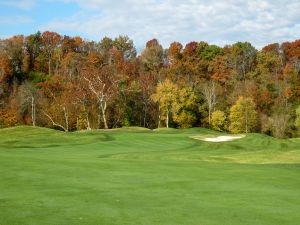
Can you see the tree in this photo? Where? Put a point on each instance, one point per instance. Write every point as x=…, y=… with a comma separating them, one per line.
x=50, y=40
x=183, y=107
x=84, y=84
x=243, y=117
x=5, y=67
x=209, y=92
x=185, y=119
x=147, y=83
x=297, y=121
x=105, y=45
x=28, y=98
x=82, y=100
x=33, y=44
x=218, y=120
x=166, y=93
x=102, y=85
x=280, y=124
x=125, y=45
x=243, y=58
x=16, y=53
x=175, y=103
x=190, y=70
x=8, y=118
x=71, y=65
x=220, y=71
x=57, y=103
x=175, y=52
x=152, y=56
x=209, y=52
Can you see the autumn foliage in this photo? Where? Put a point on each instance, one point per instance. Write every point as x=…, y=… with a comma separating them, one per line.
x=68, y=83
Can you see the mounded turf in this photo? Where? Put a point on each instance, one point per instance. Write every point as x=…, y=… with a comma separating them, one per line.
x=141, y=177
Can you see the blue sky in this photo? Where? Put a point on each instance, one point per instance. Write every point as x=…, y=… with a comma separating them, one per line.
x=215, y=21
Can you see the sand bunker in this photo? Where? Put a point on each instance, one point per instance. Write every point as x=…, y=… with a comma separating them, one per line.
x=222, y=138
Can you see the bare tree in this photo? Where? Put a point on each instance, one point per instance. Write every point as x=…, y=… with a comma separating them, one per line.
x=280, y=124
x=102, y=84
x=81, y=98
x=50, y=117
x=209, y=92
x=28, y=96
x=147, y=84
x=57, y=103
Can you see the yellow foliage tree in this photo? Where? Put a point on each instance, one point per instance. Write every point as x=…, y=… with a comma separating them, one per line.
x=174, y=101
x=165, y=96
x=243, y=116
x=218, y=120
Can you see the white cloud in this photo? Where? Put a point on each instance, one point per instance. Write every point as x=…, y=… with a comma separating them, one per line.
x=216, y=21
x=15, y=20
x=21, y=4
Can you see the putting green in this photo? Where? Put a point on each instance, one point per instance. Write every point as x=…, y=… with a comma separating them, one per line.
x=142, y=177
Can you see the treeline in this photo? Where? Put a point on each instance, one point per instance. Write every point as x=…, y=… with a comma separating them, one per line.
x=72, y=84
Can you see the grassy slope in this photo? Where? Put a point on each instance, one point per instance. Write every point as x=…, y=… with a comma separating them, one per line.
x=143, y=177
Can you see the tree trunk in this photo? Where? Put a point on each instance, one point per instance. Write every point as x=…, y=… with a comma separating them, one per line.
x=33, y=111
x=88, y=125
x=246, y=122
x=209, y=91
x=103, y=110
x=158, y=116
x=167, y=119
x=209, y=116
x=66, y=119
x=145, y=115
x=49, y=65
x=54, y=123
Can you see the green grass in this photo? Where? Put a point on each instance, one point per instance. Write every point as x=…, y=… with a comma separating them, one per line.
x=135, y=176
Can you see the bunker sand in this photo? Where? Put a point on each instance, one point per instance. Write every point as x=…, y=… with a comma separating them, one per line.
x=218, y=138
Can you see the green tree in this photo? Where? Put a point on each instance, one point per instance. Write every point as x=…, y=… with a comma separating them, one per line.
x=243, y=116
x=209, y=52
x=125, y=45
x=242, y=59
x=218, y=120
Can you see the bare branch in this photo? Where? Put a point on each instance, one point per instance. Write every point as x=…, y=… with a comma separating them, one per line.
x=54, y=123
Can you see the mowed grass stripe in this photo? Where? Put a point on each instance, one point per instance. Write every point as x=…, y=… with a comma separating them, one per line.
x=159, y=177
